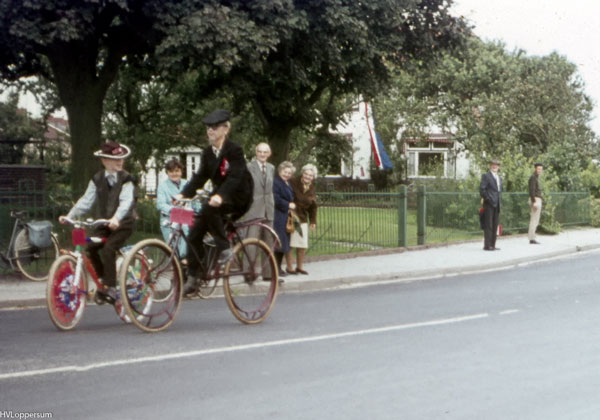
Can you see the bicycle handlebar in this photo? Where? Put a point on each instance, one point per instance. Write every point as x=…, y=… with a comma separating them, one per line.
x=200, y=195
x=86, y=223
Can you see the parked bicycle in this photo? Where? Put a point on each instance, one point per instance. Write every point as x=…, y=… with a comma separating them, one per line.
x=250, y=278
x=69, y=287
x=32, y=247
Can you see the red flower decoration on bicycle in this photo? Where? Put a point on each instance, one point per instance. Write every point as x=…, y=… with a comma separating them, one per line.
x=224, y=167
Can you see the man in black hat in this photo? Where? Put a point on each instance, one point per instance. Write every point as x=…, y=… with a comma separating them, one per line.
x=490, y=190
x=113, y=191
x=223, y=163
x=535, y=202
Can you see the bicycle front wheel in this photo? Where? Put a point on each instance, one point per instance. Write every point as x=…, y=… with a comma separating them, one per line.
x=151, y=285
x=250, y=281
x=34, y=262
x=65, y=293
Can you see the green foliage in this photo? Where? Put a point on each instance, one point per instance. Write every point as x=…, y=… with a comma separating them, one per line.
x=595, y=212
x=497, y=104
x=16, y=131
x=148, y=218
x=590, y=179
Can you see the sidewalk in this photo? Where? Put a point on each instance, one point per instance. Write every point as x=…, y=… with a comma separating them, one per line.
x=400, y=264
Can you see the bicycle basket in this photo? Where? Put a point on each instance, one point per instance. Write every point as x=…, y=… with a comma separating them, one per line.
x=40, y=233
x=182, y=216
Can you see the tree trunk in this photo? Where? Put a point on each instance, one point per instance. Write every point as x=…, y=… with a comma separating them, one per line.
x=279, y=140
x=82, y=87
x=86, y=137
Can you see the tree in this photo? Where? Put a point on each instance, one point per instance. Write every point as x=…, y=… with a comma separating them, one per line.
x=16, y=131
x=80, y=47
x=498, y=103
x=334, y=48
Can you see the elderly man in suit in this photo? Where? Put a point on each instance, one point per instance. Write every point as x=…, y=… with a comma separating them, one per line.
x=224, y=164
x=490, y=190
x=263, y=205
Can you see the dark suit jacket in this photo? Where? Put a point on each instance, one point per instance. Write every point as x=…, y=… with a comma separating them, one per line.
x=489, y=191
x=229, y=176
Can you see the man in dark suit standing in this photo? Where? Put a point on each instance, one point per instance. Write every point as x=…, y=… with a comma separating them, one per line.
x=490, y=190
x=223, y=163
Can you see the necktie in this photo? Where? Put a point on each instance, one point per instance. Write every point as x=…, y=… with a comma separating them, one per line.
x=216, y=151
x=264, y=171
x=111, y=180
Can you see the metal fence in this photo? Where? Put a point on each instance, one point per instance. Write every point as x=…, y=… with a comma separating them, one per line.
x=353, y=221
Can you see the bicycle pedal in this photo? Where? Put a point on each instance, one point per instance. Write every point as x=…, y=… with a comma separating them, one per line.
x=98, y=300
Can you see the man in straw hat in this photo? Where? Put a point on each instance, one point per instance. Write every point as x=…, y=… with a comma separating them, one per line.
x=113, y=191
x=223, y=163
x=490, y=190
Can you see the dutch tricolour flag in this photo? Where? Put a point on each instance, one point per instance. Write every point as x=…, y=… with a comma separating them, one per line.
x=382, y=160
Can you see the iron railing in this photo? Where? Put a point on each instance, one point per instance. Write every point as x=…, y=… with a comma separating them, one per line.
x=355, y=221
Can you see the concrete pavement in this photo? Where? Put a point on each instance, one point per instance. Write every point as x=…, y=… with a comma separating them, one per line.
x=402, y=264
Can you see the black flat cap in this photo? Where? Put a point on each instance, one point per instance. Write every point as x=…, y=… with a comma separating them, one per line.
x=216, y=117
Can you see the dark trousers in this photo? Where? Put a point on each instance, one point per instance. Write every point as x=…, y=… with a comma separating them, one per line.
x=491, y=216
x=209, y=220
x=103, y=256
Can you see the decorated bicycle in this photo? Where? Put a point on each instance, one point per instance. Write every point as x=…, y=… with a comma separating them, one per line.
x=250, y=277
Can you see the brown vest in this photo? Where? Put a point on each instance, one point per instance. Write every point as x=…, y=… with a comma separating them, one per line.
x=108, y=197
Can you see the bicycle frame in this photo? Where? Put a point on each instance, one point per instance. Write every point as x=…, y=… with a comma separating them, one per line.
x=79, y=239
x=9, y=257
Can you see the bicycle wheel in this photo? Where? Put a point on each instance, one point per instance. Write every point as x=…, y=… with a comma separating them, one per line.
x=34, y=262
x=65, y=294
x=151, y=285
x=250, y=281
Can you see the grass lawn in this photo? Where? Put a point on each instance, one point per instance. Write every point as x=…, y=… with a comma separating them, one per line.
x=352, y=229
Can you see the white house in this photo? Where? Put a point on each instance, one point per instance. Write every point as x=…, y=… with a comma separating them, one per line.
x=438, y=156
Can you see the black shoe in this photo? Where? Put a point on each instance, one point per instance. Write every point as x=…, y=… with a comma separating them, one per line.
x=534, y=242
x=190, y=286
x=107, y=296
x=282, y=273
x=487, y=248
x=225, y=256
x=495, y=249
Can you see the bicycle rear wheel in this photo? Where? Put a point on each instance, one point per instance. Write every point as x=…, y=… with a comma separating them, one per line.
x=151, y=285
x=250, y=281
x=65, y=294
x=34, y=262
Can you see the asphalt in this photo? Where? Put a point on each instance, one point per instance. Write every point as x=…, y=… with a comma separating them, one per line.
x=395, y=265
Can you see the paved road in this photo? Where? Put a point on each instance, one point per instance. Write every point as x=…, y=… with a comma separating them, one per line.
x=520, y=343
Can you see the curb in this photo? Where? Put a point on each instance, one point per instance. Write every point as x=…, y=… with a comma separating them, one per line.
x=365, y=280
x=416, y=275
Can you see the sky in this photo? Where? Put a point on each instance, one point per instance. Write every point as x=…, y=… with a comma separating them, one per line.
x=540, y=27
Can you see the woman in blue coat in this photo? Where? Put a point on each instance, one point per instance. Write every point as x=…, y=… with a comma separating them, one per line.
x=283, y=196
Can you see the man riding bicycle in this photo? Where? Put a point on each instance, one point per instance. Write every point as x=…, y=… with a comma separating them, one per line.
x=223, y=163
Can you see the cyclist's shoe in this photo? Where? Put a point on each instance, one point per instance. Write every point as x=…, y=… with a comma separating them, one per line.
x=109, y=295
x=190, y=286
x=225, y=256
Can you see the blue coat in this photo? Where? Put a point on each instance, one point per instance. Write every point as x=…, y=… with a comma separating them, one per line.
x=166, y=190
x=283, y=196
